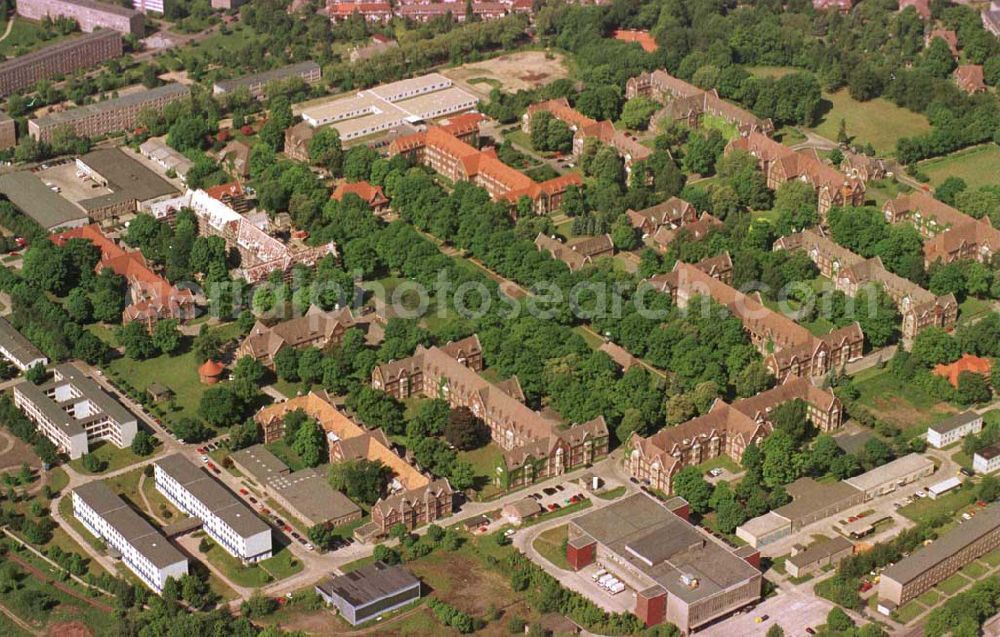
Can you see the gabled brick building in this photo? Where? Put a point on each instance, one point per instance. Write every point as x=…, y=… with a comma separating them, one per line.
x=727, y=429
x=952, y=235
x=456, y=160
x=584, y=128
x=412, y=509
x=532, y=438
x=316, y=328
x=151, y=297
x=579, y=253
x=851, y=272
x=780, y=164
x=788, y=348
x=371, y=195
x=687, y=103
x=863, y=167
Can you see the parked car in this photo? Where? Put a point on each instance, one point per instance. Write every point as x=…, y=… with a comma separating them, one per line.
x=244, y=492
x=216, y=471
x=252, y=499
x=966, y=472
x=204, y=458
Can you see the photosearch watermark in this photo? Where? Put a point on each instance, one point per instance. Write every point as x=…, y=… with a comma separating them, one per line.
x=586, y=301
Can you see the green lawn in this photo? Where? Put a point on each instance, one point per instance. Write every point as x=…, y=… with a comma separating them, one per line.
x=179, y=372
x=283, y=564
x=8, y=627
x=251, y=576
x=975, y=570
x=993, y=559
x=720, y=462
x=551, y=546
x=929, y=598
x=953, y=584
x=714, y=122
x=286, y=454
x=878, y=122
x=925, y=508
x=973, y=308
x=977, y=166
x=612, y=494
x=909, y=611
x=771, y=71
x=484, y=463
x=25, y=36
x=113, y=457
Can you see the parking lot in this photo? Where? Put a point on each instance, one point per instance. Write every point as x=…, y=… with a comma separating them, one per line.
x=794, y=611
x=258, y=505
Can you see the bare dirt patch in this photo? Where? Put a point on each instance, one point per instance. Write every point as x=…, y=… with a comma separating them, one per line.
x=514, y=72
x=69, y=629
x=13, y=453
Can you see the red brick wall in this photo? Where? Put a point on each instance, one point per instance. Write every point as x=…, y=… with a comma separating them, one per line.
x=653, y=610
x=683, y=511
x=580, y=557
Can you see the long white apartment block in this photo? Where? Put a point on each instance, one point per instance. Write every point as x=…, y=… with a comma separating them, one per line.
x=73, y=411
x=225, y=517
x=142, y=548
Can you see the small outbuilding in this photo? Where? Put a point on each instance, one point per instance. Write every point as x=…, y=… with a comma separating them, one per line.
x=159, y=392
x=210, y=372
x=517, y=512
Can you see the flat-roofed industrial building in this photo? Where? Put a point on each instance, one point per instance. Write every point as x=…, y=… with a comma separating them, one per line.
x=681, y=574
x=822, y=552
x=383, y=108
x=892, y=475
x=369, y=591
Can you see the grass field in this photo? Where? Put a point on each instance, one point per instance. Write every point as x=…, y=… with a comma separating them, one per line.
x=714, y=122
x=612, y=494
x=878, y=122
x=24, y=36
x=953, y=584
x=551, y=545
x=898, y=403
x=977, y=166
x=720, y=462
x=909, y=611
x=973, y=308
x=993, y=559
x=929, y=598
x=252, y=576
x=179, y=372
x=113, y=457
x=975, y=570
x=925, y=508
x=484, y=462
x=54, y=617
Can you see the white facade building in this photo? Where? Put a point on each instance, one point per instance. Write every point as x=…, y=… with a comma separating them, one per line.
x=73, y=411
x=21, y=352
x=143, y=549
x=986, y=460
x=225, y=517
x=953, y=429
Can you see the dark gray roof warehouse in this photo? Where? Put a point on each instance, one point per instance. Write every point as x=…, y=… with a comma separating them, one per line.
x=369, y=591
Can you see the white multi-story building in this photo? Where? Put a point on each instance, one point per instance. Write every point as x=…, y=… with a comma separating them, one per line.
x=953, y=429
x=73, y=411
x=143, y=549
x=986, y=460
x=21, y=352
x=225, y=518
